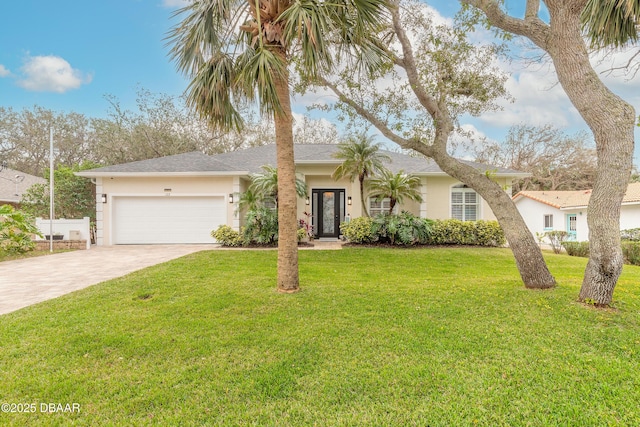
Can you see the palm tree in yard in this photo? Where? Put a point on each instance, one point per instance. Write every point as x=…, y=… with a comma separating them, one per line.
x=396, y=187
x=361, y=158
x=240, y=51
x=265, y=184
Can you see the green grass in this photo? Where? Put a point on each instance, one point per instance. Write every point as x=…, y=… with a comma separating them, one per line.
x=438, y=337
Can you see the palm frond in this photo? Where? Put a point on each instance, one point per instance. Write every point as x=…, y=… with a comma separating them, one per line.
x=611, y=22
x=258, y=70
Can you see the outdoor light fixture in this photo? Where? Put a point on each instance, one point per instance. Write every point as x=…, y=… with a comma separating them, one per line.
x=230, y=197
x=349, y=200
x=103, y=197
x=306, y=202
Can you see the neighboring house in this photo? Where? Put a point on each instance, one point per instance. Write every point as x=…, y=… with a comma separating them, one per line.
x=182, y=198
x=13, y=184
x=567, y=211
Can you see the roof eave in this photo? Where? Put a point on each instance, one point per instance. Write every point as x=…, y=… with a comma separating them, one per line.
x=87, y=174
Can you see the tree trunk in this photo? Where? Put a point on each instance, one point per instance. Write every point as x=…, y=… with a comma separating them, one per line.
x=288, y=280
x=612, y=122
x=529, y=260
x=363, y=202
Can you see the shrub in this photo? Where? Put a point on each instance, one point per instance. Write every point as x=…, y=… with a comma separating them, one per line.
x=487, y=233
x=576, y=248
x=358, y=230
x=16, y=228
x=402, y=229
x=227, y=236
x=456, y=232
x=556, y=238
x=630, y=235
x=261, y=227
x=631, y=252
x=302, y=234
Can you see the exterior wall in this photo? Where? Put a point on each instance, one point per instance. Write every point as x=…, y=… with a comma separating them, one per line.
x=66, y=227
x=155, y=186
x=438, y=198
x=533, y=213
x=629, y=217
x=436, y=193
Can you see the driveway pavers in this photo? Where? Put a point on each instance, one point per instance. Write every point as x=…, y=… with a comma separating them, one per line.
x=31, y=280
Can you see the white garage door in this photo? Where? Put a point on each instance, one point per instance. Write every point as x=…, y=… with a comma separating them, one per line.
x=174, y=219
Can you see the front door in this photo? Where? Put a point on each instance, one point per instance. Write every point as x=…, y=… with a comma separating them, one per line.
x=572, y=227
x=328, y=212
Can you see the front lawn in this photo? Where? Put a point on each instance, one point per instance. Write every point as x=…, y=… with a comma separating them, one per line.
x=378, y=337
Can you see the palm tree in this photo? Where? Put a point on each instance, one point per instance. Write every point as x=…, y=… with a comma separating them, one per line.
x=265, y=185
x=240, y=51
x=360, y=159
x=611, y=22
x=396, y=187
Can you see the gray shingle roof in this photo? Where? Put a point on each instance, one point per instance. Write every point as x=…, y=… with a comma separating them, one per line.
x=9, y=184
x=194, y=161
x=252, y=159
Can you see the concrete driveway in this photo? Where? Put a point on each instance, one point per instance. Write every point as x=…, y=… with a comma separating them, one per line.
x=31, y=280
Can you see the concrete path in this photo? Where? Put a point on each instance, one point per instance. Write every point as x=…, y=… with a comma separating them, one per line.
x=31, y=280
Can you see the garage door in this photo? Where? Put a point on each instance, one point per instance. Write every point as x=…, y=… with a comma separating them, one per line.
x=158, y=220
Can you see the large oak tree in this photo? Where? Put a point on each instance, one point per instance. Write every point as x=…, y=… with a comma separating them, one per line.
x=611, y=119
x=435, y=74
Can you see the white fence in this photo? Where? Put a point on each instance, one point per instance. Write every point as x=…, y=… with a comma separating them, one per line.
x=70, y=229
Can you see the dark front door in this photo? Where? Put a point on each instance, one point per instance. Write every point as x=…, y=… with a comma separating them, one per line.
x=328, y=211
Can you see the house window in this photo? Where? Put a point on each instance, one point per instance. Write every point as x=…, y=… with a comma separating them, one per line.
x=377, y=207
x=269, y=204
x=548, y=222
x=464, y=203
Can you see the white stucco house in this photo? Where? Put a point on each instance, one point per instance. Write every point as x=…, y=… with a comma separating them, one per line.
x=567, y=211
x=182, y=198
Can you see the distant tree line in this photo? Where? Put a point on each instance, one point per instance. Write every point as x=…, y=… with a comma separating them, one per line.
x=160, y=126
x=555, y=160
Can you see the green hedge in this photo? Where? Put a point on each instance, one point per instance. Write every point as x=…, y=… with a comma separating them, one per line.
x=576, y=248
x=631, y=252
x=631, y=235
x=358, y=230
x=475, y=233
x=407, y=229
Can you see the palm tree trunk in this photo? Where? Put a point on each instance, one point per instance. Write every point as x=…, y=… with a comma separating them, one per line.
x=363, y=202
x=288, y=280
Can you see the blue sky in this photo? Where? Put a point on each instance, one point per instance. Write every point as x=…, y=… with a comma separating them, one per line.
x=67, y=55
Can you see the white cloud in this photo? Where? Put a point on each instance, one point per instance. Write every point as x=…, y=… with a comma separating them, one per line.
x=175, y=3
x=50, y=74
x=538, y=100
x=3, y=71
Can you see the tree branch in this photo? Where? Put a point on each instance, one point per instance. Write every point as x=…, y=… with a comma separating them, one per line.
x=531, y=26
x=409, y=65
x=379, y=124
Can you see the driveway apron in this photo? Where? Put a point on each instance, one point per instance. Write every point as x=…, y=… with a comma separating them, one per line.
x=31, y=280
